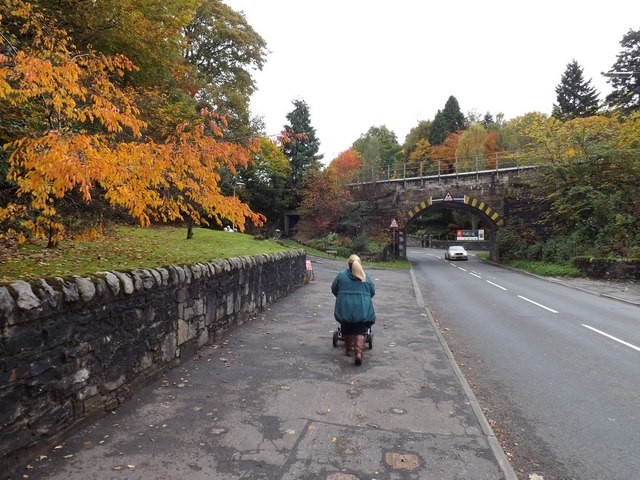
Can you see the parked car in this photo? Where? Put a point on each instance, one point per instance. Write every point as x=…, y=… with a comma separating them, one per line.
x=456, y=252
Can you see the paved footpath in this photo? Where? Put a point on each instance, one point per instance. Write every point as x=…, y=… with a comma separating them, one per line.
x=275, y=400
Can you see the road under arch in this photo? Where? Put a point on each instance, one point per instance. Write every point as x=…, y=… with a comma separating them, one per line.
x=488, y=216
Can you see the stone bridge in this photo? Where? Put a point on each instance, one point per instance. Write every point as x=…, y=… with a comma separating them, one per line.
x=495, y=197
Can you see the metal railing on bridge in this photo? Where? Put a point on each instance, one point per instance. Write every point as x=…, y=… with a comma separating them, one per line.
x=445, y=168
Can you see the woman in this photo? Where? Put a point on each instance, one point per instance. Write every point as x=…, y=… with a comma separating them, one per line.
x=354, y=309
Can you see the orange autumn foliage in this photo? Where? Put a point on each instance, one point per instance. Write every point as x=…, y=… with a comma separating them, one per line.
x=445, y=154
x=344, y=168
x=83, y=130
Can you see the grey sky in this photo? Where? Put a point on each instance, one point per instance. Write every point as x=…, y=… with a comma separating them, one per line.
x=360, y=63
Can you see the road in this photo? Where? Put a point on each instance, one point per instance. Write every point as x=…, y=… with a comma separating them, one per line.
x=557, y=369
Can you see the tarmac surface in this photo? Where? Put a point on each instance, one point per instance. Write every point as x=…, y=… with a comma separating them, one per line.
x=623, y=290
x=276, y=400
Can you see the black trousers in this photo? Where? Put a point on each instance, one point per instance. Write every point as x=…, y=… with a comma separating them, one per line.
x=355, y=328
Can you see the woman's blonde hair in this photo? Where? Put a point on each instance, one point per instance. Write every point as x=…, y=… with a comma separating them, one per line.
x=356, y=268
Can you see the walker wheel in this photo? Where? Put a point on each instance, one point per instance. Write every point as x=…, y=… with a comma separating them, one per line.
x=370, y=341
x=335, y=339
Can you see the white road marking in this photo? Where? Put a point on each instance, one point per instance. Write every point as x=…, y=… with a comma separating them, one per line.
x=462, y=269
x=475, y=274
x=612, y=337
x=537, y=304
x=496, y=285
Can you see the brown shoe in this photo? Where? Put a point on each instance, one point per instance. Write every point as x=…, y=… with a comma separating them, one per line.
x=359, y=347
x=349, y=345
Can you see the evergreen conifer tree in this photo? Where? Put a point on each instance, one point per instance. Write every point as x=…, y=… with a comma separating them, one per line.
x=625, y=75
x=453, y=116
x=576, y=97
x=438, y=129
x=302, y=145
x=449, y=120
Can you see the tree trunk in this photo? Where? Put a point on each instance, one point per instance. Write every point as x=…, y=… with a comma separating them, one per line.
x=51, y=243
x=189, y=229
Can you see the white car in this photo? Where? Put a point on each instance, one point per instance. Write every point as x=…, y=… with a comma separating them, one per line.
x=456, y=252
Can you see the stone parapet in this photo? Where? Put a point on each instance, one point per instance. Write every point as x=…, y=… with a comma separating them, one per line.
x=72, y=349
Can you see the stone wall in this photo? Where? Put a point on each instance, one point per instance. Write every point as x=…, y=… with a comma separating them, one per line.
x=622, y=269
x=73, y=349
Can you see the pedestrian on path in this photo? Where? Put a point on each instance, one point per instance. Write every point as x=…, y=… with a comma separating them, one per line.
x=353, y=290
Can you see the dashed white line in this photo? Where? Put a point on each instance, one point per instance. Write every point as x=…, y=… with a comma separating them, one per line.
x=612, y=337
x=537, y=304
x=475, y=275
x=496, y=285
x=462, y=269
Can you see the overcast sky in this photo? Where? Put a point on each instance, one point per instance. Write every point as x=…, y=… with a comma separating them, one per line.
x=363, y=63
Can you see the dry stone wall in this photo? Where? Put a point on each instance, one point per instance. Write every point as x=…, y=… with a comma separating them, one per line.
x=72, y=349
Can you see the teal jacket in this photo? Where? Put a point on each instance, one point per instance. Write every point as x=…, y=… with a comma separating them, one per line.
x=353, y=298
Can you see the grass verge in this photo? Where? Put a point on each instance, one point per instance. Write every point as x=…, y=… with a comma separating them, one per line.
x=546, y=269
x=130, y=248
x=393, y=264
x=542, y=269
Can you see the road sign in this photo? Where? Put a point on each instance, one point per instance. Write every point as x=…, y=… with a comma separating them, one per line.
x=394, y=224
x=447, y=198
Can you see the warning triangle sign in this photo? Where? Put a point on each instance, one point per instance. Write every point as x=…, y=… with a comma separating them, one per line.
x=447, y=198
x=394, y=224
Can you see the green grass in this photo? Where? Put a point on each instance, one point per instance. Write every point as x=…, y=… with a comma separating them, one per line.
x=393, y=264
x=546, y=269
x=130, y=248
x=542, y=269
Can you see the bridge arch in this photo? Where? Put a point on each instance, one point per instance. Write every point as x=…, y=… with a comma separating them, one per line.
x=488, y=215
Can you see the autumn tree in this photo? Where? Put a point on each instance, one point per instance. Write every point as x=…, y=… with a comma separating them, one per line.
x=73, y=119
x=470, y=153
x=419, y=157
x=515, y=137
x=324, y=203
x=380, y=150
x=69, y=111
x=625, y=75
x=189, y=53
x=416, y=139
x=589, y=185
x=344, y=168
x=300, y=143
x=575, y=95
x=151, y=35
x=443, y=157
